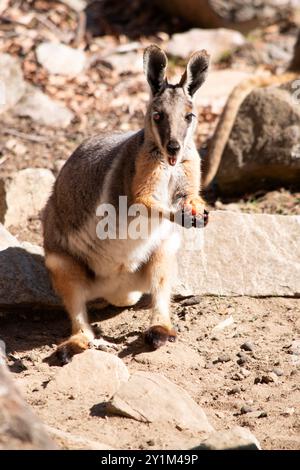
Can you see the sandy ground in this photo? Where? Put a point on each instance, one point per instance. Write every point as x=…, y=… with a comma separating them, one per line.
x=204, y=363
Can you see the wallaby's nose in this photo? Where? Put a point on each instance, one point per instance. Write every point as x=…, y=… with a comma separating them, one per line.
x=173, y=147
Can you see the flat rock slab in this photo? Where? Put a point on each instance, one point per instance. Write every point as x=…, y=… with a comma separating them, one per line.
x=237, y=438
x=90, y=376
x=151, y=398
x=216, y=41
x=24, y=280
x=243, y=254
x=236, y=254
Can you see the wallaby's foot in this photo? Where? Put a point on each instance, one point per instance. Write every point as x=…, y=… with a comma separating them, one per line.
x=157, y=335
x=74, y=345
x=79, y=343
x=102, y=345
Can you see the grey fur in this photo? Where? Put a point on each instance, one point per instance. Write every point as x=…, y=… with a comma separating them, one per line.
x=78, y=188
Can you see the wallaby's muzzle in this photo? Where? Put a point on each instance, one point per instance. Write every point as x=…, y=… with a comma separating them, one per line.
x=173, y=148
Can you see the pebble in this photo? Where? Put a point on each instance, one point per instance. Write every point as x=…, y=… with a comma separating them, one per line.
x=209, y=365
x=237, y=376
x=245, y=372
x=246, y=409
x=243, y=358
x=191, y=301
x=223, y=358
x=234, y=391
x=247, y=346
x=277, y=371
x=288, y=412
x=271, y=377
x=151, y=442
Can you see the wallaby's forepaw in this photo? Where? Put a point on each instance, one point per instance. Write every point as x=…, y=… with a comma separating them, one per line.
x=74, y=345
x=157, y=335
x=192, y=214
x=196, y=207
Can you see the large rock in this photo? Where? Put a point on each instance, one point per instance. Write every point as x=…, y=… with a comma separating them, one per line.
x=61, y=59
x=20, y=429
x=90, y=376
x=216, y=41
x=237, y=438
x=151, y=398
x=244, y=15
x=12, y=84
x=68, y=441
x=42, y=109
x=129, y=62
x=24, y=280
x=243, y=254
x=264, y=145
x=218, y=86
x=27, y=194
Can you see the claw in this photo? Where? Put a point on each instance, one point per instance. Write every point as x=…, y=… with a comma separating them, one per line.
x=102, y=345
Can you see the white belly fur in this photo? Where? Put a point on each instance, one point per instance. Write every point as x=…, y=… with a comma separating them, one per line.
x=117, y=262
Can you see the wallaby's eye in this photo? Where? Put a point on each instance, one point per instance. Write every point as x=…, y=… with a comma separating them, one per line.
x=189, y=117
x=157, y=116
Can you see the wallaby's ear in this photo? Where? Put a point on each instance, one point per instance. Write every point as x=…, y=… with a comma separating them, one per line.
x=155, y=64
x=195, y=73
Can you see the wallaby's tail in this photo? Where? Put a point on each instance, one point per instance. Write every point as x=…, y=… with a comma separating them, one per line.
x=227, y=119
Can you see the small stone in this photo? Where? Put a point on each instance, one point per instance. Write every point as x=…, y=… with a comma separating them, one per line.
x=209, y=365
x=278, y=372
x=237, y=376
x=243, y=358
x=223, y=358
x=234, y=391
x=247, y=346
x=61, y=59
x=151, y=442
x=12, y=84
x=288, y=412
x=42, y=109
x=257, y=380
x=26, y=195
x=245, y=372
x=182, y=314
x=195, y=300
x=270, y=378
x=246, y=409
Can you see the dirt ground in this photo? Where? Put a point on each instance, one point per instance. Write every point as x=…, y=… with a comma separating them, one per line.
x=204, y=363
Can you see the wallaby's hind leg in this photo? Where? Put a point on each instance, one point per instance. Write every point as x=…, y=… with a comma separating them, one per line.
x=160, y=271
x=72, y=283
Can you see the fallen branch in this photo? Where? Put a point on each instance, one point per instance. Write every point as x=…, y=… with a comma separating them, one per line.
x=23, y=135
